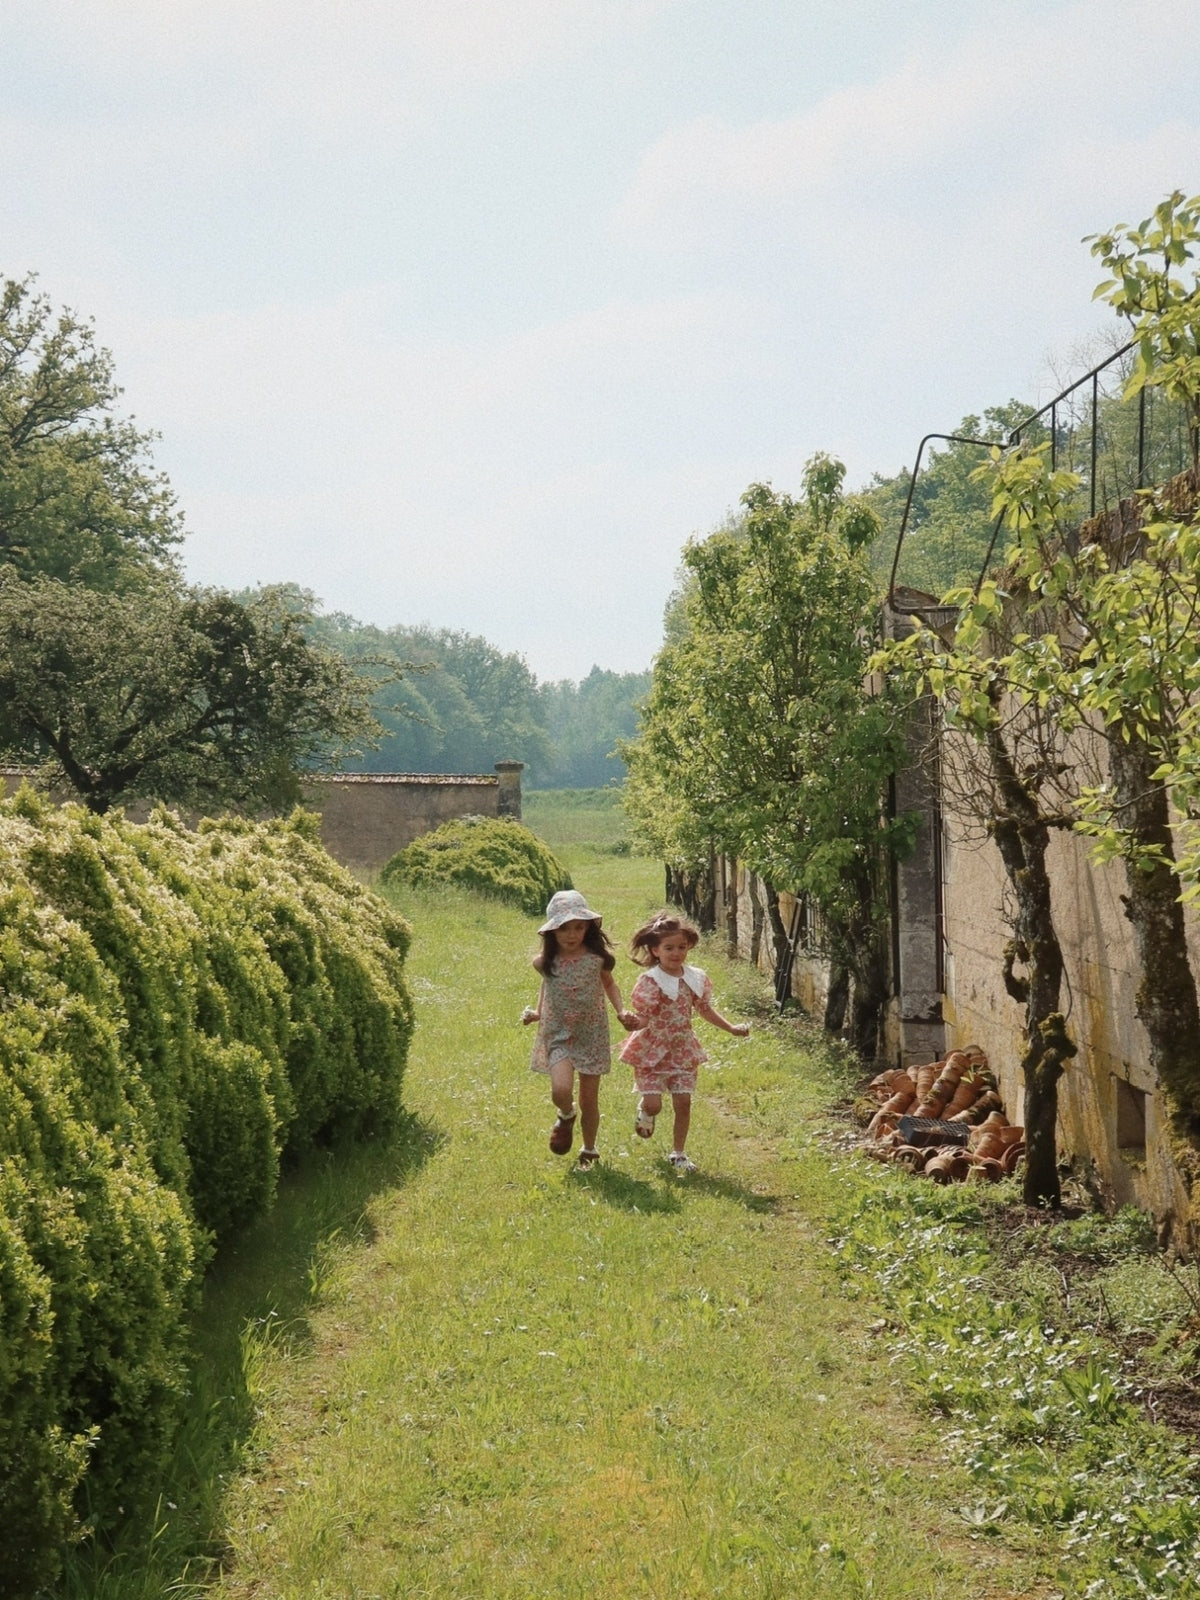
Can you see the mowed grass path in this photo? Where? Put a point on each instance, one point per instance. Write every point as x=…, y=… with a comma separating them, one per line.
x=522, y=1381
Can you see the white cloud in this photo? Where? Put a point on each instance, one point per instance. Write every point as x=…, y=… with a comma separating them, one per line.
x=1000, y=109
x=505, y=479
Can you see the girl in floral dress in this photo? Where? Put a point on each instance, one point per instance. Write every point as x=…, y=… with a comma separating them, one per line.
x=665, y=1052
x=575, y=966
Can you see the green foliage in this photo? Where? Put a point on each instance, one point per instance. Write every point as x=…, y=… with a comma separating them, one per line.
x=950, y=520
x=1045, y=1422
x=1148, y=288
x=190, y=697
x=492, y=855
x=79, y=499
x=759, y=737
x=181, y=1010
x=446, y=701
x=585, y=722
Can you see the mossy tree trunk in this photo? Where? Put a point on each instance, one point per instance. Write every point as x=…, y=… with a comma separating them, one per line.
x=1167, y=1004
x=1022, y=835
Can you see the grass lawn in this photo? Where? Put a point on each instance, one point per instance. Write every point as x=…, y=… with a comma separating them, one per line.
x=507, y=1378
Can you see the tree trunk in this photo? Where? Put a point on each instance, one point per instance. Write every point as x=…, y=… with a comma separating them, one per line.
x=866, y=944
x=1166, y=994
x=1022, y=836
x=756, y=919
x=729, y=876
x=694, y=891
x=838, y=997
x=780, y=946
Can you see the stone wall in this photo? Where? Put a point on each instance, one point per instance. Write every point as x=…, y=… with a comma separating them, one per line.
x=367, y=817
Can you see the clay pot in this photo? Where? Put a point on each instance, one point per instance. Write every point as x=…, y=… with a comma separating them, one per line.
x=900, y=1101
x=883, y=1122
x=925, y=1078
x=1011, y=1158
x=965, y=1095
x=948, y=1166
x=908, y=1155
x=989, y=1148
x=989, y=1169
x=1011, y=1135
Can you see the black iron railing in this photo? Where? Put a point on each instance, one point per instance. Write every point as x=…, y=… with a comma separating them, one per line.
x=1116, y=446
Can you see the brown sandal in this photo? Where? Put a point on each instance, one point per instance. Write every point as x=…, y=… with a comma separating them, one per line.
x=587, y=1158
x=562, y=1134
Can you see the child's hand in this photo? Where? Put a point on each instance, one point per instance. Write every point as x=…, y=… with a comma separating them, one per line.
x=629, y=1021
x=741, y=1030
x=530, y=1014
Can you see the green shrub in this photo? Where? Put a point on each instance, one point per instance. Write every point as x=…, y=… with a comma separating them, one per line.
x=493, y=855
x=179, y=1010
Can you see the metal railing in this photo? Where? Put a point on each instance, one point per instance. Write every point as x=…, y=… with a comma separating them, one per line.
x=1115, y=445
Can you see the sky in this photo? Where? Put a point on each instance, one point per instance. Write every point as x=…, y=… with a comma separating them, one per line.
x=473, y=312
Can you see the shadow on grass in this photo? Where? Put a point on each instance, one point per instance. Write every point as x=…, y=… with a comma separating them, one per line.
x=625, y=1192
x=257, y=1298
x=719, y=1187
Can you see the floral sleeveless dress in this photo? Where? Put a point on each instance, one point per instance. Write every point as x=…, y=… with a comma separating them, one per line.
x=574, y=1025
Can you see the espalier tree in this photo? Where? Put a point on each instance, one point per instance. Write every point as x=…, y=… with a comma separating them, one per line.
x=1107, y=643
x=759, y=737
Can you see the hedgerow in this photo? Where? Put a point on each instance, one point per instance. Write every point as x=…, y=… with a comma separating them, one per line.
x=495, y=856
x=178, y=1011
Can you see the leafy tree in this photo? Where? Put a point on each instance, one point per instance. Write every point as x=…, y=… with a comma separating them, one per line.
x=447, y=701
x=79, y=497
x=950, y=521
x=759, y=737
x=185, y=696
x=585, y=721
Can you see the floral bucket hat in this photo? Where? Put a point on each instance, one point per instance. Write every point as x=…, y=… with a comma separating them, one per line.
x=568, y=905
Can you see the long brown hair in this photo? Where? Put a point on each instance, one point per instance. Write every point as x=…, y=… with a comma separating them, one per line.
x=595, y=939
x=651, y=934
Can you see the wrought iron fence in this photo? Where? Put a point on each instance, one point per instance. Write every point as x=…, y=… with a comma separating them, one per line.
x=1114, y=444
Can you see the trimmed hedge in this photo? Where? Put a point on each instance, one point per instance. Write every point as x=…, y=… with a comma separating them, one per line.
x=178, y=1010
x=495, y=856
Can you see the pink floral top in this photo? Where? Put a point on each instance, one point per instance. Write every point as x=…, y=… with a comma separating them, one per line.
x=665, y=1004
x=574, y=1025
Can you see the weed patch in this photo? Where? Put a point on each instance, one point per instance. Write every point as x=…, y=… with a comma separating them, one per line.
x=1045, y=1418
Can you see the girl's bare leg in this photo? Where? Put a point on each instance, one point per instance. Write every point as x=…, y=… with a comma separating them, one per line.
x=589, y=1105
x=562, y=1087
x=683, y=1119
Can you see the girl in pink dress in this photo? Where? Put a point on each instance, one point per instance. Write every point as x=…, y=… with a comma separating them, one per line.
x=575, y=966
x=665, y=1052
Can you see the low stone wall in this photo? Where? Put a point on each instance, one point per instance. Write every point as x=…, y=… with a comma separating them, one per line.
x=367, y=817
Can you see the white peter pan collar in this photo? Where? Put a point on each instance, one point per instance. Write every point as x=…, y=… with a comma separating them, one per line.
x=669, y=983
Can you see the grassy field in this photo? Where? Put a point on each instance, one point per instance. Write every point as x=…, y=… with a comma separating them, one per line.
x=461, y=1368
x=519, y=1380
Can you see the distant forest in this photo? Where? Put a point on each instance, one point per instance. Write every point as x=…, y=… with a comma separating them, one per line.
x=452, y=702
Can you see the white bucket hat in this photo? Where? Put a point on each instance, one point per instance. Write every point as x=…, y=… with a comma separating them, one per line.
x=568, y=905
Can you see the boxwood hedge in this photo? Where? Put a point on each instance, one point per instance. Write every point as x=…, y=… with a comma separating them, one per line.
x=178, y=1010
x=494, y=855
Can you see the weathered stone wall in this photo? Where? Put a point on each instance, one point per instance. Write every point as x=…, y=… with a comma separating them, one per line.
x=1108, y=1094
x=366, y=818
